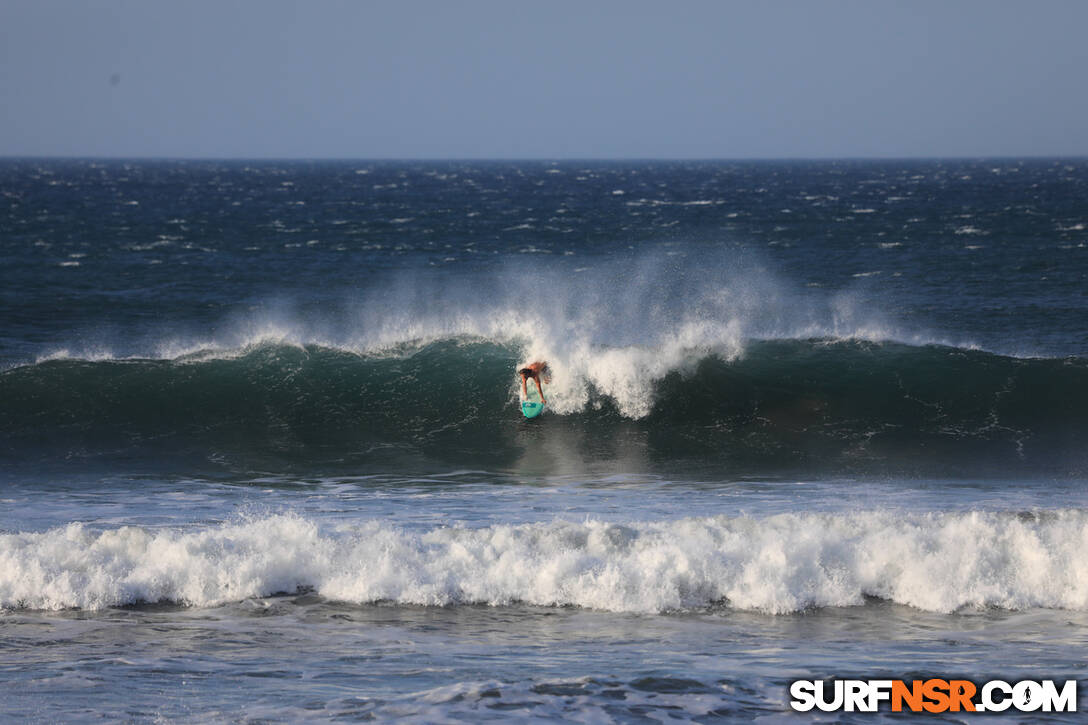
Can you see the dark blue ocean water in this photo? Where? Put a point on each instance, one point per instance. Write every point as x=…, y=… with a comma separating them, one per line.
x=261, y=456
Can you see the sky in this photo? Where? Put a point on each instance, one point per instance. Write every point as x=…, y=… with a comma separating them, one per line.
x=550, y=80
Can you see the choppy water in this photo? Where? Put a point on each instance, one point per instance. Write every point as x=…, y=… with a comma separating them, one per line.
x=261, y=455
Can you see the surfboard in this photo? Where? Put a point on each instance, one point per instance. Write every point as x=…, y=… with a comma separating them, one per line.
x=531, y=406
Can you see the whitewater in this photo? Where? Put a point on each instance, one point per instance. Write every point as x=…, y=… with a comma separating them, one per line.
x=780, y=564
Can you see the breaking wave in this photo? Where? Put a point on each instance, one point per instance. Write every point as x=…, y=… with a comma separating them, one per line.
x=780, y=402
x=778, y=564
x=717, y=362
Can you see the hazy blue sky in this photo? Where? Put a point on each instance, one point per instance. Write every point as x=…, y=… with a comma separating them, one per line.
x=543, y=79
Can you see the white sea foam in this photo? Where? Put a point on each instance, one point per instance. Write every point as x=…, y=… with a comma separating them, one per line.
x=970, y=230
x=777, y=564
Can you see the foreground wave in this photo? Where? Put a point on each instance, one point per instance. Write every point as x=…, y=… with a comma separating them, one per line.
x=778, y=564
x=845, y=404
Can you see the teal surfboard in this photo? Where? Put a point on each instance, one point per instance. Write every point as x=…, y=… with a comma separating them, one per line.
x=531, y=406
x=531, y=409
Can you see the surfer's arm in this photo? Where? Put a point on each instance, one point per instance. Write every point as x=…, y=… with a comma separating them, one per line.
x=539, y=390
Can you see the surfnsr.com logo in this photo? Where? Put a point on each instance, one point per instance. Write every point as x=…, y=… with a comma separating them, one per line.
x=933, y=695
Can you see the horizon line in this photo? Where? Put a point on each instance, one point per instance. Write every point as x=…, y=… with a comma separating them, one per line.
x=541, y=159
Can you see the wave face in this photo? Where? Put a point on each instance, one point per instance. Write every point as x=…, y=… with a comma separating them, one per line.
x=775, y=404
x=779, y=564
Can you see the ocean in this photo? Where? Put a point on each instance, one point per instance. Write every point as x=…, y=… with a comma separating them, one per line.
x=261, y=458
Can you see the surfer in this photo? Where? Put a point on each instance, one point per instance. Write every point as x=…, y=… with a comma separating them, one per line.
x=535, y=371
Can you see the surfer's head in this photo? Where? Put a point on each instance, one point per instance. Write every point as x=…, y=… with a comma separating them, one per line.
x=536, y=370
